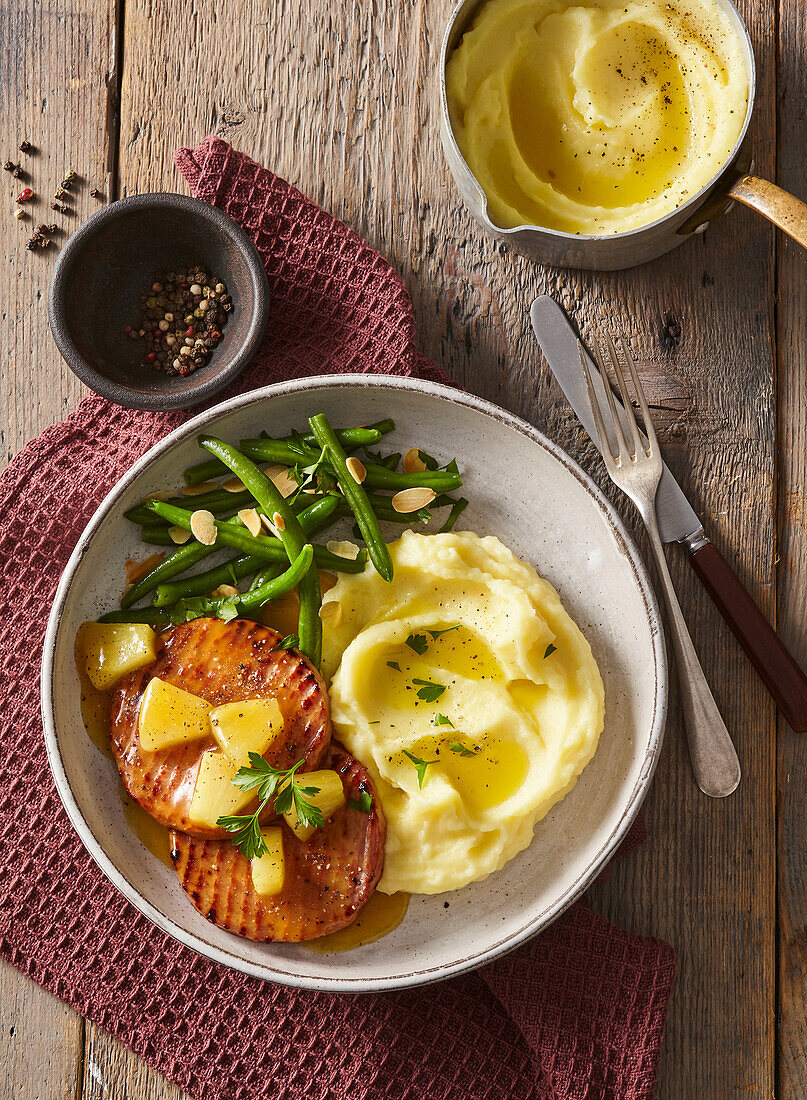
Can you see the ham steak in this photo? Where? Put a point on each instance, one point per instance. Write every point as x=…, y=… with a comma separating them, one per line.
x=328, y=879
x=223, y=663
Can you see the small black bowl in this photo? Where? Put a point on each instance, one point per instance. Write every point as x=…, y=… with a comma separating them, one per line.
x=113, y=258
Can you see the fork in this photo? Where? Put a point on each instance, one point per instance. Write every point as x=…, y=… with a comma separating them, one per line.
x=637, y=473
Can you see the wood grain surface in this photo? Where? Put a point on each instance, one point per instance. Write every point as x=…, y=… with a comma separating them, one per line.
x=342, y=101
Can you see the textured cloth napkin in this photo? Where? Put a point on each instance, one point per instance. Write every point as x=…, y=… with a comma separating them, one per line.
x=577, y=1013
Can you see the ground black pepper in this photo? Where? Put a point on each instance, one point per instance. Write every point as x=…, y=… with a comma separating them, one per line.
x=181, y=320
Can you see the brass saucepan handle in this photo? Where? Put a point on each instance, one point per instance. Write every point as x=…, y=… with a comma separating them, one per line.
x=783, y=209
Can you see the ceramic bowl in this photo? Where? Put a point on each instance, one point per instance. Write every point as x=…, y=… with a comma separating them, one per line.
x=529, y=493
x=113, y=258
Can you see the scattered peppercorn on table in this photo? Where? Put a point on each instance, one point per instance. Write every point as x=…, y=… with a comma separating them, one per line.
x=341, y=100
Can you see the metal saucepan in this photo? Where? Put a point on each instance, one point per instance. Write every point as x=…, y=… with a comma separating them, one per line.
x=613, y=251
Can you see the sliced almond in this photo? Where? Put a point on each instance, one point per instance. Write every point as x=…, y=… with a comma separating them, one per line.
x=225, y=590
x=270, y=527
x=284, y=481
x=197, y=490
x=278, y=521
x=347, y=550
x=412, y=462
x=251, y=520
x=356, y=468
x=409, y=500
x=203, y=527
x=331, y=613
x=161, y=494
x=233, y=485
x=136, y=570
x=179, y=535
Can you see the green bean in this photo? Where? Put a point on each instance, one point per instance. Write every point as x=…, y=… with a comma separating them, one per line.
x=384, y=510
x=263, y=576
x=273, y=588
x=217, y=501
x=277, y=451
x=350, y=438
x=457, y=508
x=182, y=558
x=232, y=534
x=354, y=494
x=154, y=616
x=441, y=481
x=205, y=471
x=291, y=535
x=202, y=584
x=156, y=534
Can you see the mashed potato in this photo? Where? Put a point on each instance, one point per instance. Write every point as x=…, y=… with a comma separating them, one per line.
x=595, y=116
x=466, y=660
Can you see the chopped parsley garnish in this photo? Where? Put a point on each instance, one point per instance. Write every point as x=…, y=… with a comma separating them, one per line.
x=550, y=649
x=442, y=720
x=204, y=607
x=268, y=783
x=420, y=766
x=436, y=633
x=364, y=802
x=291, y=641
x=461, y=750
x=394, y=664
x=420, y=643
x=429, y=691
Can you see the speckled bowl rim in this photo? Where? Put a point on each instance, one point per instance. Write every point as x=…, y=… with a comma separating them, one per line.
x=424, y=975
x=159, y=400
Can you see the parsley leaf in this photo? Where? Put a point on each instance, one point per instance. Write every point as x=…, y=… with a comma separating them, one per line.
x=291, y=641
x=203, y=607
x=429, y=691
x=364, y=802
x=442, y=720
x=436, y=633
x=461, y=750
x=394, y=664
x=268, y=783
x=420, y=766
x=418, y=642
x=246, y=834
x=550, y=649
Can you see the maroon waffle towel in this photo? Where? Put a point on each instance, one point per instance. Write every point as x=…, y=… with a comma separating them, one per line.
x=577, y=1013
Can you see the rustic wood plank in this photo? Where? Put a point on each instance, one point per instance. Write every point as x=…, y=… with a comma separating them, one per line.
x=41, y=1041
x=792, y=369
x=111, y=1070
x=56, y=64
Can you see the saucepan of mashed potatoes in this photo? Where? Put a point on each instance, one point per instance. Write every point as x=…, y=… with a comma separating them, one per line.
x=470, y=695
x=596, y=116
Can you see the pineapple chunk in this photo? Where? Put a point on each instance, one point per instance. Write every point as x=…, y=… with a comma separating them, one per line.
x=215, y=795
x=329, y=798
x=269, y=870
x=111, y=650
x=242, y=728
x=170, y=716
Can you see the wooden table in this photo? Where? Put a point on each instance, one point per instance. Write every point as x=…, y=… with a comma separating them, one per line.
x=341, y=100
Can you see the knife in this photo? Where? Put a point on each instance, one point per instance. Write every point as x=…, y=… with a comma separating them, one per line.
x=678, y=522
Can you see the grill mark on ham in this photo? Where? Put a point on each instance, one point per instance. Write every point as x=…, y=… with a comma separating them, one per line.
x=328, y=880
x=222, y=663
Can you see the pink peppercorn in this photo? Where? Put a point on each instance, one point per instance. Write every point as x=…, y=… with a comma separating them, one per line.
x=26, y=194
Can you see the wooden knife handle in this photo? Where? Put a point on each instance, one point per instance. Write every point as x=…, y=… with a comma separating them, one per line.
x=773, y=661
